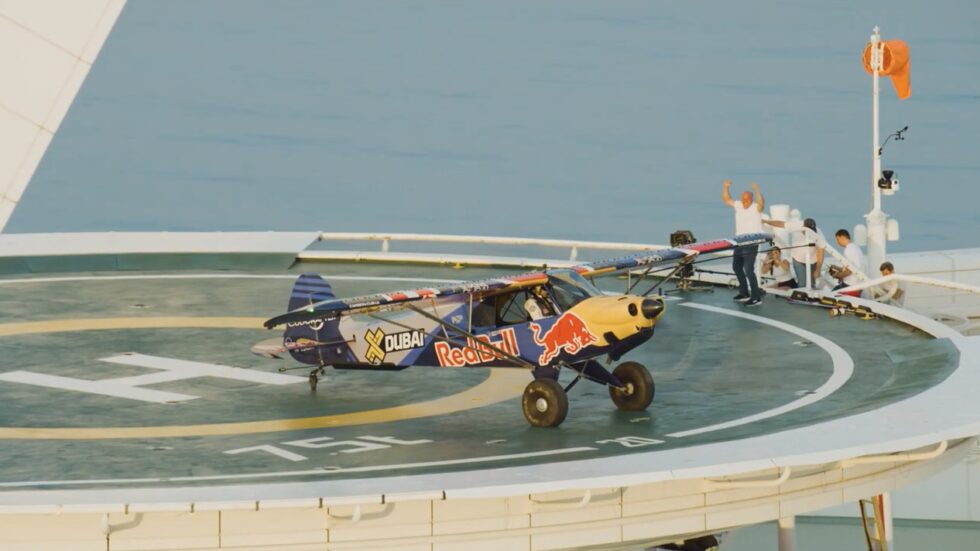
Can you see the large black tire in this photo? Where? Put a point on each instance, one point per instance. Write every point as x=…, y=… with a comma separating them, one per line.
x=639, y=387
x=545, y=403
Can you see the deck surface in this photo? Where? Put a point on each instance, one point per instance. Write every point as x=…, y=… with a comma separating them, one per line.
x=722, y=372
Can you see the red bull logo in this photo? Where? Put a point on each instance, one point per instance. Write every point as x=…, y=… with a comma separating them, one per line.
x=301, y=344
x=568, y=334
x=474, y=353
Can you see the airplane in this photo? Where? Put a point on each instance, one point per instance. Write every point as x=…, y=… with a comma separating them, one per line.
x=541, y=321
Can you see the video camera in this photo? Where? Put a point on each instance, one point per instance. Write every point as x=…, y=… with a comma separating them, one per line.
x=680, y=238
x=888, y=184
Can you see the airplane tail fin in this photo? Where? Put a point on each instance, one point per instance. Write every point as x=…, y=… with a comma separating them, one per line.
x=308, y=289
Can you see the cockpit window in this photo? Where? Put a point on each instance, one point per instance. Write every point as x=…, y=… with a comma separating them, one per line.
x=512, y=308
x=570, y=288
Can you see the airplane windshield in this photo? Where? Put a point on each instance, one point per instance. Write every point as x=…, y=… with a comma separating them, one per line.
x=570, y=288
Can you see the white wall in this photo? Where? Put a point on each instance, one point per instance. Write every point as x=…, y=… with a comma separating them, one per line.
x=46, y=50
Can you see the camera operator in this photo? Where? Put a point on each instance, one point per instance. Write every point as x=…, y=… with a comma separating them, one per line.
x=777, y=268
x=806, y=251
x=843, y=274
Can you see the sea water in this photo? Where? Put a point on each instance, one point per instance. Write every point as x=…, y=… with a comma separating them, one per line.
x=585, y=120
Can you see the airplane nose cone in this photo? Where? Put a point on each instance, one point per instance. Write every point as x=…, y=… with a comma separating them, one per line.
x=652, y=307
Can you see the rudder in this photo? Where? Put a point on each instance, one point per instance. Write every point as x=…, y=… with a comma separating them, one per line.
x=310, y=288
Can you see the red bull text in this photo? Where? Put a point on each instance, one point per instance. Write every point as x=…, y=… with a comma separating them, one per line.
x=475, y=353
x=568, y=334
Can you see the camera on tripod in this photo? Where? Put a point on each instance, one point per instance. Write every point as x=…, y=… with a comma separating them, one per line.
x=678, y=239
x=685, y=271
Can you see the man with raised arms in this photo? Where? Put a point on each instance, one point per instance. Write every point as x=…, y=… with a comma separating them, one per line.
x=748, y=219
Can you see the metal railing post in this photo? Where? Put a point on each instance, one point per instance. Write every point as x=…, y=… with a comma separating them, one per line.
x=787, y=534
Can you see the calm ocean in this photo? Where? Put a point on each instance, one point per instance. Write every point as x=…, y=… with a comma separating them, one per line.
x=590, y=120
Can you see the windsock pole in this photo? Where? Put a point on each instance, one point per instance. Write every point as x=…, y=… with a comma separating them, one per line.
x=875, y=135
x=876, y=220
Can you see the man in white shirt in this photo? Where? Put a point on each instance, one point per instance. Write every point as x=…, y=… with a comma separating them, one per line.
x=748, y=219
x=854, y=257
x=892, y=292
x=808, y=247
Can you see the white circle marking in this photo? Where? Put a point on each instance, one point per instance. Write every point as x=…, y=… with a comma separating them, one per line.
x=843, y=369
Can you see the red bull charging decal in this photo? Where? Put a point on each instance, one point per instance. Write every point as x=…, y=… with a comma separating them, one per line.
x=568, y=334
x=474, y=353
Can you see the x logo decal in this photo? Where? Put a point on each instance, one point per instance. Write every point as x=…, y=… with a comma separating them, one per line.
x=375, y=354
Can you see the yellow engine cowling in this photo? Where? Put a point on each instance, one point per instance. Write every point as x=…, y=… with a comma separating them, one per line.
x=623, y=316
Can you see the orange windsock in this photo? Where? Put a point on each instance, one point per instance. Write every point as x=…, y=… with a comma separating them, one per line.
x=895, y=63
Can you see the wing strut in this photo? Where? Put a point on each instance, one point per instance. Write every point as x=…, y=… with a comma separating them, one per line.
x=680, y=265
x=629, y=275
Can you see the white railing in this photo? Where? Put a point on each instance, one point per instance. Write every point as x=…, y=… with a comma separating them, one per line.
x=941, y=283
x=960, y=310
x=385, y=253
x=386, y=240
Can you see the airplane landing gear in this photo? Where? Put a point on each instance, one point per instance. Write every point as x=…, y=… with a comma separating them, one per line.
x=315, y=378
x=639, y=387
x=545, y=403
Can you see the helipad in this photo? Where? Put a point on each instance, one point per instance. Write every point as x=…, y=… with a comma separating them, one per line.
x=723, y=372
x=129, y=391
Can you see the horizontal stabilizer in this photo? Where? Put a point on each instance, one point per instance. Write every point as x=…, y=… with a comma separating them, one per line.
x=269, y=348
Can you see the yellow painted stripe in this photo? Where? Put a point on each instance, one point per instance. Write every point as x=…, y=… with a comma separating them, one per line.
x=500, y=385
x=96, y=324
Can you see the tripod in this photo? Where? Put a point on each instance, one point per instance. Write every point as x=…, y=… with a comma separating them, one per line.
x=685, y=273
x=686, y=282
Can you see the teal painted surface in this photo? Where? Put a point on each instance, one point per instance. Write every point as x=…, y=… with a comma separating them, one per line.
x=699, y=381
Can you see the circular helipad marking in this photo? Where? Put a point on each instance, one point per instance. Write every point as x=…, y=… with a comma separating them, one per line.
x=843, y=369
x=502, y=384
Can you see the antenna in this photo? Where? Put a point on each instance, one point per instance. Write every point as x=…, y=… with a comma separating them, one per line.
x=899, y=136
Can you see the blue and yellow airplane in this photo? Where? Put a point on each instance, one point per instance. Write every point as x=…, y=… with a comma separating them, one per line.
x=540, y=321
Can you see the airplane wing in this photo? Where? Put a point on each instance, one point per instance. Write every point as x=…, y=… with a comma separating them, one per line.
x=401, y=299
x=669, y=256
x=333, y=307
